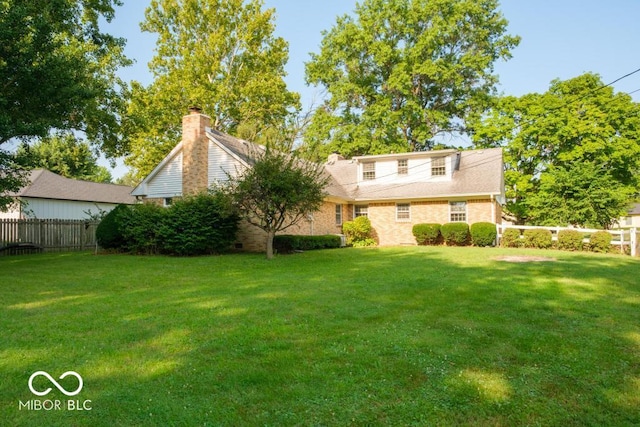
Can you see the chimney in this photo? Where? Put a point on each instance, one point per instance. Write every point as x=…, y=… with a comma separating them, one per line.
x=334, y=157
x=195, y=151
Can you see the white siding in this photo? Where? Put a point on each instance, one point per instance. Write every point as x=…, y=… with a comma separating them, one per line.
x=221, y=163
x=62, y=209
x=168, y=181
x=419, y=169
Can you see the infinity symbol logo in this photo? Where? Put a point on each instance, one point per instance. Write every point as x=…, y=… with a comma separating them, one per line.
x=55, y=383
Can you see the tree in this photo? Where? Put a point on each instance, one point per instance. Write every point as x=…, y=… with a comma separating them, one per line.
x=403, y=72
x=218, y=54
x=572, y=154
x=65, y=155
x=58, y=71
x=277, y=192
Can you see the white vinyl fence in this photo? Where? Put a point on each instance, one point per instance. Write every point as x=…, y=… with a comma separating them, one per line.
x=623, y=238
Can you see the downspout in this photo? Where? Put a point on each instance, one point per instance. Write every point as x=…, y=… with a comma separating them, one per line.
x=493, y=210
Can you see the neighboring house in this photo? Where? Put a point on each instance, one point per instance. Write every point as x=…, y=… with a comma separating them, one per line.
x=633, y=217
x=395, y=191
x=51, y=196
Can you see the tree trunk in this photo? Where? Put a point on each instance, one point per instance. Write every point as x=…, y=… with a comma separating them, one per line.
x=270, y=236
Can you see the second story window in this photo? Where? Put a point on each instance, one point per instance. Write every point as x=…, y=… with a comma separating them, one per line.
x=438, y=167
x=403, y=167
x=368, y=171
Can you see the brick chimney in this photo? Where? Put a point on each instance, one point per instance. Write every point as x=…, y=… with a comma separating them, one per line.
x=195, y=151
x=334, y=157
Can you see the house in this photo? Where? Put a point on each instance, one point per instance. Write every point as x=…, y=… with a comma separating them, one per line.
x=633, y=217
x=395, y=191
x=51, y=196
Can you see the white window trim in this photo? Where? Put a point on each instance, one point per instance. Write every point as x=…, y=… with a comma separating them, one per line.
x=404, y=169
x=466, y=211
x=365, y=165
x=339, y=214
x=444, y=166
x=355, y=210
x=408, y=219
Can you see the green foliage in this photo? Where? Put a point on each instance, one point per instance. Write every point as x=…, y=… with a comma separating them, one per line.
x=277, y=192
x=109, y=233
x=398, y=73
x=570, y=240
x=64, y=154
x=577, y=164
x=483, y=233
x=196, y=225
x=12, y=179
x=600, y=241
x=426, y=234
x=538, y=238
x=140, y=226
x=359, y=232
x=285, y=243
x=222, y=56
x=511, y=238
x=455, y=233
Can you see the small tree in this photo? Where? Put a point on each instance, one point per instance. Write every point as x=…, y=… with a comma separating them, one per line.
x=277, y=192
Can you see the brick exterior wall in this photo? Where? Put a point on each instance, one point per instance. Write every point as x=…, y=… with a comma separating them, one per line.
x=195, y=152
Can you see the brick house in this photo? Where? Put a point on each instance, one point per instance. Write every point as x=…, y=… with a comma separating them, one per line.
x=395, y=191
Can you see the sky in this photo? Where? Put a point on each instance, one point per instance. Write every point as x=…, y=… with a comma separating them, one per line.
x=560, y=39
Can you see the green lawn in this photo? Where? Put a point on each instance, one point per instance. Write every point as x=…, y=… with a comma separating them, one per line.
x=391, y=336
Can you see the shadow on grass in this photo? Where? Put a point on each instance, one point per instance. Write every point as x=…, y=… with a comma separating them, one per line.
x=374, y=336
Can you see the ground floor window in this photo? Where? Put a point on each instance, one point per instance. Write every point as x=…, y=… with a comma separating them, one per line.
x=361, y=210
x=458, y=211
x=338, y=214
x=403, y=212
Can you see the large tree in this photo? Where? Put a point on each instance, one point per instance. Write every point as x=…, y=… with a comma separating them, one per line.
x=402, y=72
x=277, y=192
x=64, y=154
x=220, y=55
x=572, y=154
x=58, y=71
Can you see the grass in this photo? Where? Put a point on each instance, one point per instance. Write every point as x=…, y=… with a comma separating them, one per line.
x=390, y=336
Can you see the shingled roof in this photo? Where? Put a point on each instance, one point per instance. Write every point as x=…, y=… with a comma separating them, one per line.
x=479, y=173
x=44, y=184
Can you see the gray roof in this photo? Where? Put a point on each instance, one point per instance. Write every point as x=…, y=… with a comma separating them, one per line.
x=635, y=209
x=479, y=173
x=44, y=184
x=244, y=150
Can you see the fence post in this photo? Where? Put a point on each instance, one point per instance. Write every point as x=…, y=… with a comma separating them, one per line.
x=633, y=237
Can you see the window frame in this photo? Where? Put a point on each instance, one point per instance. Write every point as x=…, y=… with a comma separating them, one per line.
x=403, y=167
x=358, y=211
x=368, y=171
x=339, y=212
x=457, y=215
x=403, y=215
x=438, y=169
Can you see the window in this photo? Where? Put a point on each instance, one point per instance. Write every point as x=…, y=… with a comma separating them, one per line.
x=438, y=167
x=338, y=214
x=458, y=211
x=403, y=212
x=361, y=210
x=167, y=201
x=403, y=167
x=369, y=171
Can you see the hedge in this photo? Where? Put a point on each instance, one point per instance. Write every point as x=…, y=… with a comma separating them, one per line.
x=427, y=234
x=538, y=238
x=358, y=232
x=483, y=233
x=109, y=231
x=455, y=233
x=600, y=241
x=570, y=240
x=285, y=243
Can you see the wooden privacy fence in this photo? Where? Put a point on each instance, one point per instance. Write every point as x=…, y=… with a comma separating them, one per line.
x=50, y=234
x=623, y=238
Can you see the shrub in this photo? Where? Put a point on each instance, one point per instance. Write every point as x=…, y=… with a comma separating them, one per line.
x=570, y=240
x=197, y=225
x=538, y=238
x=600, y=241
x=140, y=225
x=358, y=232
x=109, y=231
x=511, y=238
x=483, y=233
x=287, y=243
x=455, y=233
x=426, y=234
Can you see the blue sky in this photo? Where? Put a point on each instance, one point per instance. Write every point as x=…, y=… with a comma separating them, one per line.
x=560, y=39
